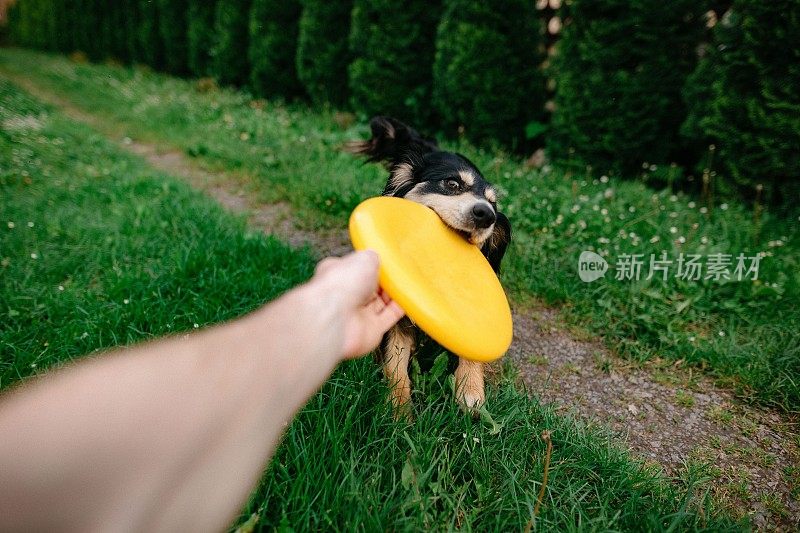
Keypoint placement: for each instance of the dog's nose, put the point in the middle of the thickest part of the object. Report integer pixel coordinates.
(484, 215)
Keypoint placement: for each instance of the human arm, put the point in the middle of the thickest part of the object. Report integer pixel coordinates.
(173, 435)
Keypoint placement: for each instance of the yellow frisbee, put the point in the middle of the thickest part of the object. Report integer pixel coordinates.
(442, 282)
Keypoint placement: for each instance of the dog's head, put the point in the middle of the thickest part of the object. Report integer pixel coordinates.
(446, 182)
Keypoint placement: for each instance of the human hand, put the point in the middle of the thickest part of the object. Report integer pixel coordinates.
(366, 311)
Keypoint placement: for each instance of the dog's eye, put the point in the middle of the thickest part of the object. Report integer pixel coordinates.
(452, 185)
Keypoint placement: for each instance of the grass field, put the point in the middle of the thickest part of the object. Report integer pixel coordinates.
(742, 332)
(99, 250)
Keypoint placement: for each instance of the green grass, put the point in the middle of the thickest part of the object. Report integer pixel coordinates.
(744, 333)
(98, 250)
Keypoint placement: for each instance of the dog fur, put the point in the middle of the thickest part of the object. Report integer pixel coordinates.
(455, 189)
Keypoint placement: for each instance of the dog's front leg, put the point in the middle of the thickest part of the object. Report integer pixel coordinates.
(469, 385)
(396, 348)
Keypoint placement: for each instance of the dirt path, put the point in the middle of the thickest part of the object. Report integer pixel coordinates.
(669, 415)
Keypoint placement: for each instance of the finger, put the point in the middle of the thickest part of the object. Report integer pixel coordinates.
(326, 264)
(389, 316)
(384, 295)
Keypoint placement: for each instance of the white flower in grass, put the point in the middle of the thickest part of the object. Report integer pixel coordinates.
(30, 224)
(61, 288)
(595, 207)
(691, 205)
(196, 325)
(603, 240)
(704, 210)
(34, 255)
(606, 220)
(673, 230)
(703, 240)
(673, 214)
(723, 207)
(11, 225)
(654, 239)
(721, 333)
(603, 179)
(126, 301)
(662, 208)
(632, 209)
(681, 239)
(673, 198)
(575, 208)
(608, 193)
(691, 339)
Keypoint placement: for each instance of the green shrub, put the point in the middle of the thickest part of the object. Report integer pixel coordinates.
(64, 15)
(115, 30)
(13, 23)
(619, 69)
(173, 27)
(392, 45)
(34, 24)
(151, 46)
(230, 64)
(744, 97)
(273, 48)
(486, 77)
(322, 50)
(200, 36)
(131, 21)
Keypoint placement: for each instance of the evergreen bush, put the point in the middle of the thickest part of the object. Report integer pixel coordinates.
(131, 21)
(322, 50)
(273, 48)
(200, 36)
(486, 77)
(744, 97)
(620, 67)
(173, 22)
(231, 29)
(392, 46)
(151, 47)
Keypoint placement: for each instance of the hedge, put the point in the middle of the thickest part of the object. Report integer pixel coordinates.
(619, 69)
(273, 48)
(486, 77)
(173, 25)
(322, 50)
(200, 36)
(392, 44)
(744, 97)
(229, 55)
(151, 47)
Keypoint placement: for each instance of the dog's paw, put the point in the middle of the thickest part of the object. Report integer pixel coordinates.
(470, 401)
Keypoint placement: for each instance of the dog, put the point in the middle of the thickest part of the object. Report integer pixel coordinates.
(455, 189)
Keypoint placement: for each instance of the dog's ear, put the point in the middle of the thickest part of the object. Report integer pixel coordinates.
(495, 246)
(392, 142)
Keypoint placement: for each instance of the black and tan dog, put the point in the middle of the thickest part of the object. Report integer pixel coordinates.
(454, 188)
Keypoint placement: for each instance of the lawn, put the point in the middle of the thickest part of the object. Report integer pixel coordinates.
(744, 333)
(100, 250)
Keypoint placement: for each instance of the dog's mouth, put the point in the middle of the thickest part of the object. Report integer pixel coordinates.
(475, 238)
